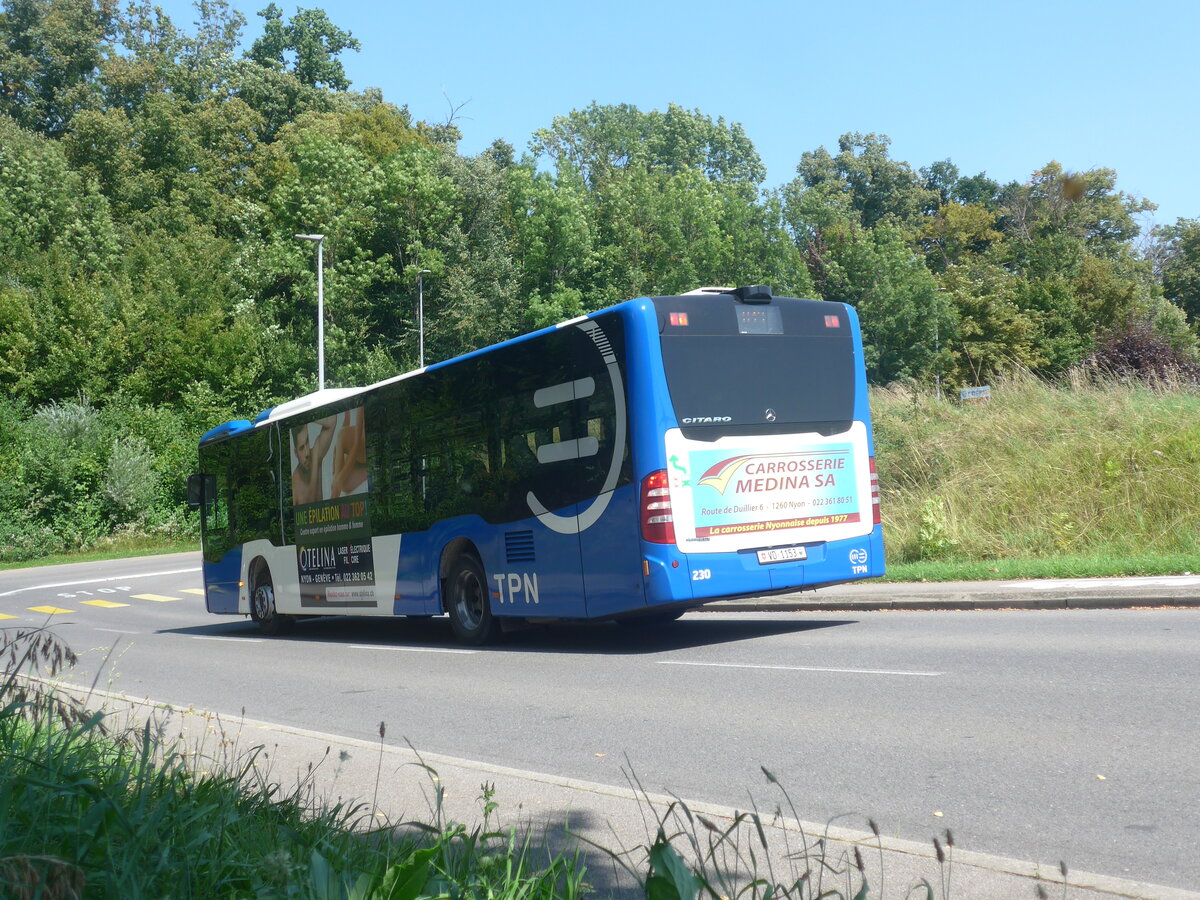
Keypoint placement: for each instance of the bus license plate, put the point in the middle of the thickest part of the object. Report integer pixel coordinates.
(781, 554)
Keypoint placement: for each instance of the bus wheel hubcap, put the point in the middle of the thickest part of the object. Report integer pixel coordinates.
(264, 603)
(470, 600)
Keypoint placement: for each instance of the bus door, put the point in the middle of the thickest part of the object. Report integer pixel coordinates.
(610, 550)
(536, 569)
(609, 528)
(222, 555)
(567, 546)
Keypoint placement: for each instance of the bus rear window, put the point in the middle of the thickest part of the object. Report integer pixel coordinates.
(781, 366)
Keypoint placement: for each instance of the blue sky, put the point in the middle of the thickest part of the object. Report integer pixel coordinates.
(1000, 88)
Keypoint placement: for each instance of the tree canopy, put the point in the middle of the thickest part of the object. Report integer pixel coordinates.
(151, 179)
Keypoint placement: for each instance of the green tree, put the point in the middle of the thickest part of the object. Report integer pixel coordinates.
(993, 334)
(957, 232)
(313, 43)
(906, 322)
(1063, 334)
(47, 206)
(1180, 265)
(863, 177)
(1082, 206)
(600, 139)
(204, 59)
(50, 53)
(553, 237)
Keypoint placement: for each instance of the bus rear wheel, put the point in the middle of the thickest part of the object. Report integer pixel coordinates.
(468, 603)
(262, 608)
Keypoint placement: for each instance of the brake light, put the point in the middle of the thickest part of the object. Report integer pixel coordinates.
(658, 522)
(876, 516)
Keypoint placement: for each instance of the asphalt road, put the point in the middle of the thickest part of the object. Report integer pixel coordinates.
(1034, 734)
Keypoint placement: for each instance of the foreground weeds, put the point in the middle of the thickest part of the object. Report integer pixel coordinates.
(771, 855)
(89, 809)
(86, 811)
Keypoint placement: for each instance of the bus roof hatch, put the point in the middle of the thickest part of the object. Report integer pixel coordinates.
(754, 293)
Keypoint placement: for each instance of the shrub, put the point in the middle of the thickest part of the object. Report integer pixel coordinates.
(1137, 349)
(130, 481)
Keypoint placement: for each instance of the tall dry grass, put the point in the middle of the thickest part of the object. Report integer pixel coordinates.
(1079, 467)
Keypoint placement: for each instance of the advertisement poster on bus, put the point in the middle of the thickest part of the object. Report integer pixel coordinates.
(732, 494)
(330, 498)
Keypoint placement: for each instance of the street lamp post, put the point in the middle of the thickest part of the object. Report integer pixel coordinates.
(421, 316)
(319, 239)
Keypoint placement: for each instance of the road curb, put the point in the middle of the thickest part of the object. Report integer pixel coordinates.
(951, 604)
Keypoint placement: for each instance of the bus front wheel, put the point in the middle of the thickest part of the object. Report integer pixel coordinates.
(468, 603)
(262, 608)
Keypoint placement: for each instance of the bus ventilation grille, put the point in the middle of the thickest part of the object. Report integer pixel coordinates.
(518, 546)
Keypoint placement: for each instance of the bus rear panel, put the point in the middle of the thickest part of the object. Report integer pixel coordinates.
(762, 477)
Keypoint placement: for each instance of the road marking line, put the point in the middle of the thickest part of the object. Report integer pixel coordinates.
(103, 604)
(410, 649)
(6, 616)
(197, 591)
(118, 631)
(240, 640)
(1091, 583)
(50, 610)
(44, 587)
(669, 662)
(157, 598)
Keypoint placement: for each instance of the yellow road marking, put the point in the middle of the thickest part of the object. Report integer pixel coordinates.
(6, 616)
(50, 610)
(103, 604)
(197, 591)
(157, 598)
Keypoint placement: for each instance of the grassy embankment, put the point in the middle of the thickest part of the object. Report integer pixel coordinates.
(1074, 479)
(1044, 480)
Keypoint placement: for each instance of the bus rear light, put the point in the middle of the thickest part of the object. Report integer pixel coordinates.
(876, 516)
(658, 522)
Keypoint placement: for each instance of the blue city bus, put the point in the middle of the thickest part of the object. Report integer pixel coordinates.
(625, 465)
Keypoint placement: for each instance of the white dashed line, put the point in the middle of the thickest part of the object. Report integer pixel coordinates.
(45, 587)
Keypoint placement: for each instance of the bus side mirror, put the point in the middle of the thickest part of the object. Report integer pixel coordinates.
(201, 490)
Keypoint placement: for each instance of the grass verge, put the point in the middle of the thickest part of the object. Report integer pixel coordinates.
(1098, 565)
(113, 548)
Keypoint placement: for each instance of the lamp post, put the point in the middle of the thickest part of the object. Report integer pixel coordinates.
(421, 316)
(319, 239)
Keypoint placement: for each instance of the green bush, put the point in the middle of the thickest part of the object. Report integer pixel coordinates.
(75, 476)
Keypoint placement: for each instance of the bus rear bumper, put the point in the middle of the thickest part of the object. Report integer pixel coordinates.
(673, 576)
